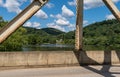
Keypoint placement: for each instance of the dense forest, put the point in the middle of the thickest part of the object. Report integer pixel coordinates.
(105, 33)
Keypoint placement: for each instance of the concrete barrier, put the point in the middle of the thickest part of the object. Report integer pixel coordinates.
(100, 57)
(51, 58)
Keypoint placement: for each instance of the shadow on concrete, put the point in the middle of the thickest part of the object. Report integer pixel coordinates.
(118, 54)
(107, 64)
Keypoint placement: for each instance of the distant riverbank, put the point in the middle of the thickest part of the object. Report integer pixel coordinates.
(48, 47)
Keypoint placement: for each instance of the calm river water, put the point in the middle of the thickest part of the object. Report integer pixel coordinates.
(58, 47)
(48, 47)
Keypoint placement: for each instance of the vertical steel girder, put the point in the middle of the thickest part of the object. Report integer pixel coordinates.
(79, 20)
(79, 25)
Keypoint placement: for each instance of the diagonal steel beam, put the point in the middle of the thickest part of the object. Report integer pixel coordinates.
(113, 8)
(20, 19)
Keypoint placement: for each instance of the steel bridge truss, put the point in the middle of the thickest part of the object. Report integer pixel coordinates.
(28, 12)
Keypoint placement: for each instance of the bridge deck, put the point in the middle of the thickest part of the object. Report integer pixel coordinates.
(91, 71)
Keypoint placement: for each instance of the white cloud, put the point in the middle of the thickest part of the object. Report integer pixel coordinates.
(49, 5)
(53, 25)
(85, 22)
(88, 4)
(58, 16)
(72, 3)
(23, 0)
(109, 17)
(62, 22)
(67, 12)
(71, 27)
(41, 14)
(28, 24)
(1, 2)
(36, 24)
(51, 15)
(12, 6)
(31, 0)
(62, 18)
(32, 24)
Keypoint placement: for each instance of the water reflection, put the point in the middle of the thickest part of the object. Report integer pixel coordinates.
(48, 47)
(64, 47)
(56, 45)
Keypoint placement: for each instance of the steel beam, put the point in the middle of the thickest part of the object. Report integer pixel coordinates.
(79, 24)
(20, 19)
(113, 8)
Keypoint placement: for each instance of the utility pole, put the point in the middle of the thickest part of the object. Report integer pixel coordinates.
(79, 25)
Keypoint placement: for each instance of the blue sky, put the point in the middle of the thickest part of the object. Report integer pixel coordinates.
(59, 14)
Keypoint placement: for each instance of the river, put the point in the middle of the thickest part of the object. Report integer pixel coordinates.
(48, 47)
(59, 47)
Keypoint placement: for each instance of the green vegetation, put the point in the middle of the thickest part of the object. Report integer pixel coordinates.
(105, 34)
(52, 31)
(42, 36)
(14, 42)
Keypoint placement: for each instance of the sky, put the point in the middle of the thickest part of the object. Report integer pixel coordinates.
(59, 14)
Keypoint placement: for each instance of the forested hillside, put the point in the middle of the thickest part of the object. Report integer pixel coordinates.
(105, 33)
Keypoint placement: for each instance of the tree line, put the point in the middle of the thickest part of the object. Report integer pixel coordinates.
(105, 33)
